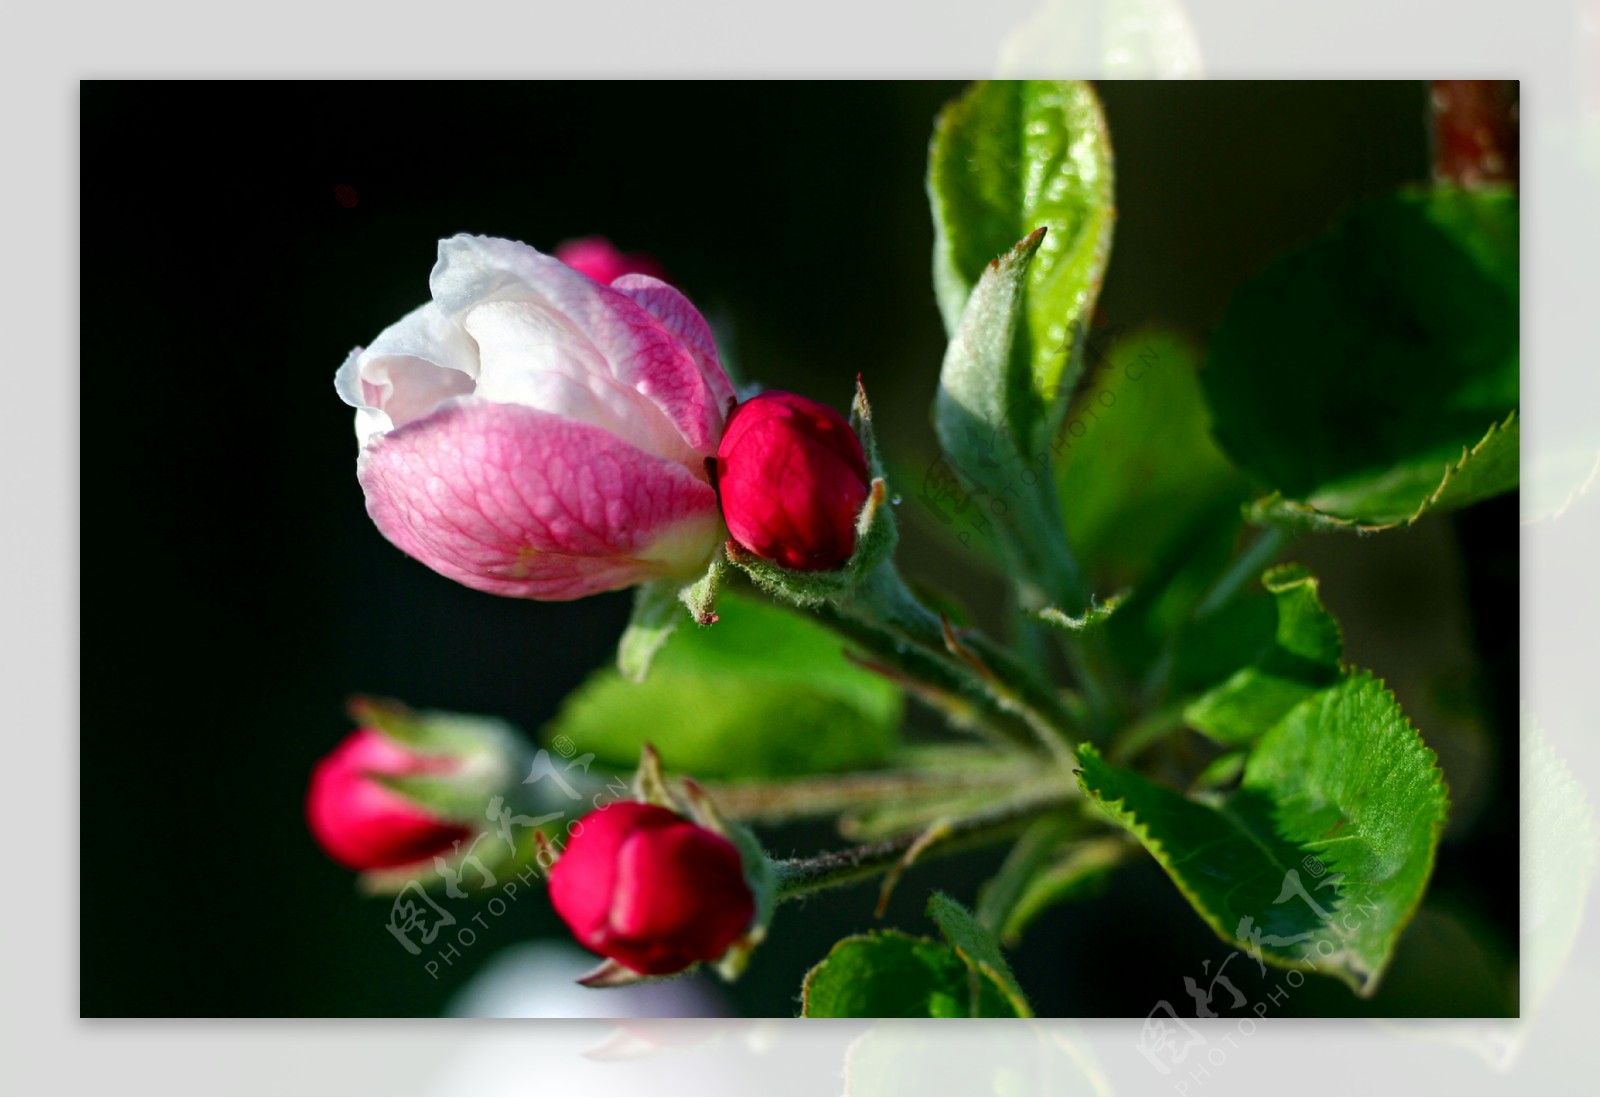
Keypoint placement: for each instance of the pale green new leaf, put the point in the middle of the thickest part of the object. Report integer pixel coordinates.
(1009, 158)
(984, 397)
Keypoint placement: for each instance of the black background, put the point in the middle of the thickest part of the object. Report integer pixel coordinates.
(234, 593)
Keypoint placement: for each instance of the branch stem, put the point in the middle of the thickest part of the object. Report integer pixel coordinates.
(802, 876)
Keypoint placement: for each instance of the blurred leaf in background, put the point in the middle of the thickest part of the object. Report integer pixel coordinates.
(763, 693)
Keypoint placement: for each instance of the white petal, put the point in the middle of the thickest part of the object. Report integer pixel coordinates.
(369, 420)
(614, 364)
(413, 366)
(528, 355)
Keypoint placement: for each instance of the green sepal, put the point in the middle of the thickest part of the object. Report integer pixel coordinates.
(657, 611)
(875, 542)
(485, 754)
(762, 881)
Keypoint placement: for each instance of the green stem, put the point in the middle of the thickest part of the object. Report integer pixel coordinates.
(885, 605)
(802, 876)
(1248, 566)
(776, 802)
(937, 680)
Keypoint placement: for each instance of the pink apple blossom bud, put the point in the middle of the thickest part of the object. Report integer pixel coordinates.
(793, 479)
(645, 887)
(598, 258)
(362, 824)
(531, 432)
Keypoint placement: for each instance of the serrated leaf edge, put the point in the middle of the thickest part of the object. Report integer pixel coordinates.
(1261, 511)
(1364, 988)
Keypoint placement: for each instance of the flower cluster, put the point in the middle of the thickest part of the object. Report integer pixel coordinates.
(551, 427)
(537, 432)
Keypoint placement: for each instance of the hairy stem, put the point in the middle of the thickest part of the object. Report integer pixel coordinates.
(802, 876)
(775, 802)
(982, 669)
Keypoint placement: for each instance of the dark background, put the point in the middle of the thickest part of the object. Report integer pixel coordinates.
(234, 593)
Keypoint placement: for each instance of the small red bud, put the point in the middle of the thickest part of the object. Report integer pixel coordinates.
(644, 886)
(362, 824)
(793, 479)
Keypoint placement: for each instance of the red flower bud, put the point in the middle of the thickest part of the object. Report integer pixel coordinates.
(793, 479)
(362, 824)
(598, 258)
(647, 888)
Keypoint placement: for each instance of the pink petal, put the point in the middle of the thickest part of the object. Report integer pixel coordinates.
(519, 502)
(679, 316)
(637, 348)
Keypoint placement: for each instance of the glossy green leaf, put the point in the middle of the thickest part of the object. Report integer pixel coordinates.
(1135, 460)
(1363, 377)
(1322, 854)
(1009, 158)
(887, 974)
(976, 945)
(762, 693)
(1303, 657)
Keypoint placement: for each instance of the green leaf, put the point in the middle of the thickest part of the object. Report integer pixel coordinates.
(1486, 470)
(1009, 158)
(1136, 463)
(763, 693)
(977, 947)
(1358, 377)
(984, 389)
(981, 412)
(1303, 657)
(887, 974)
(1322, 854)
